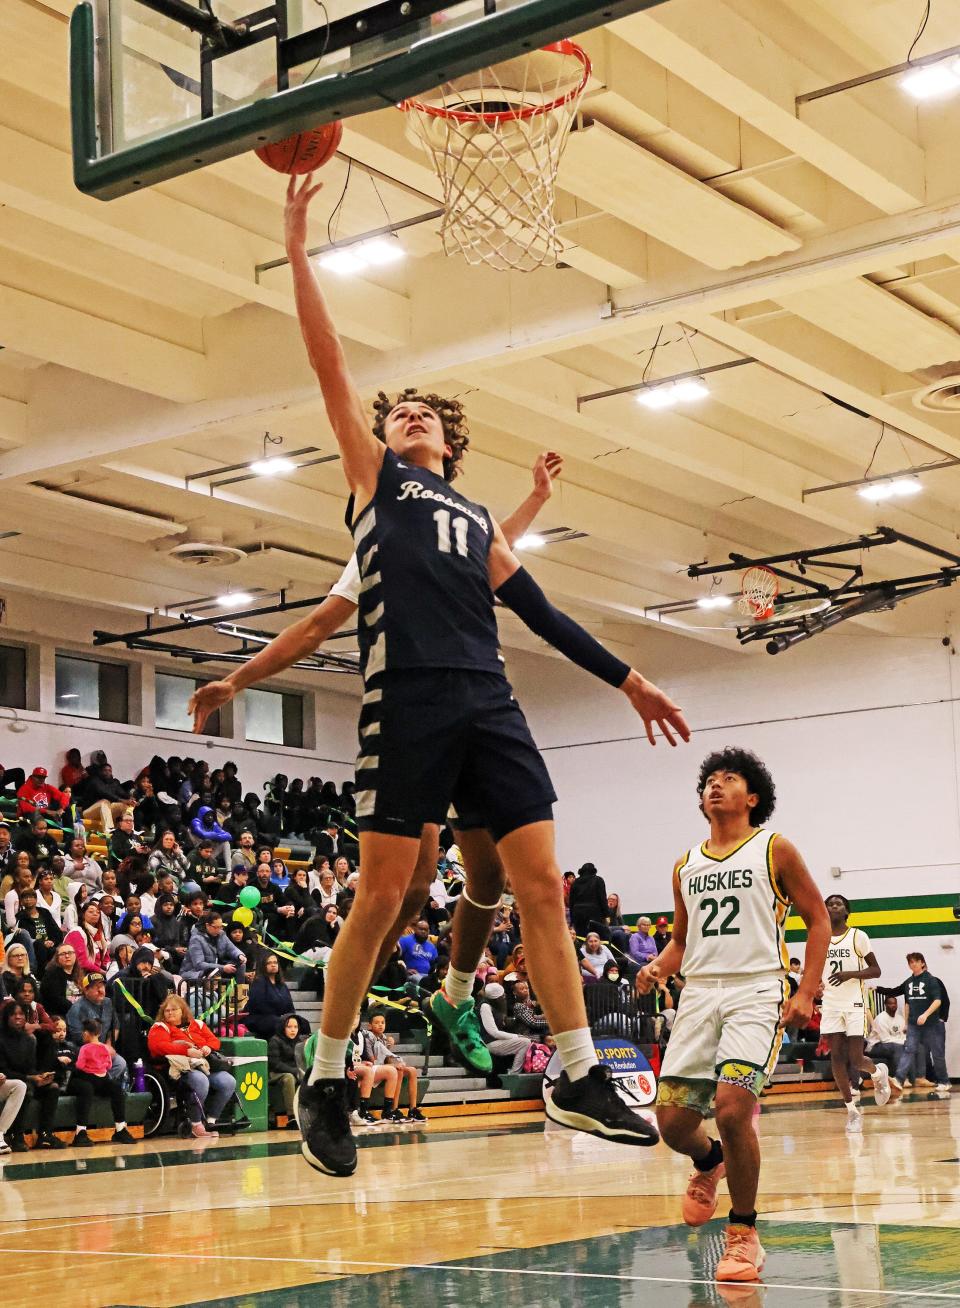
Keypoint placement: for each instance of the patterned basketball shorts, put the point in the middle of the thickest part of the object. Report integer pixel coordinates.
(725, 1030)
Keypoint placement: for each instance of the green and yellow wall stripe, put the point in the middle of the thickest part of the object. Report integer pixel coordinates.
(896, 915)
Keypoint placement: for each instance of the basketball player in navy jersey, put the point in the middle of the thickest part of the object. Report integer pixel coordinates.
(452, 1005)
(438, 721)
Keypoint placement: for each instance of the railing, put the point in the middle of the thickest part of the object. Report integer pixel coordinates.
(215, 1001)
(613, 1010)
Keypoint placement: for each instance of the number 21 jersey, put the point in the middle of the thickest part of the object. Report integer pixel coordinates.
(847, 953)
(425, 597)
(735, 911)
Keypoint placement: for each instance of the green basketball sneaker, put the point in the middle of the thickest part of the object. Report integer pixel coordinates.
(463, 1031)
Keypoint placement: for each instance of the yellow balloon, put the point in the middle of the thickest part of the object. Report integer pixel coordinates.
(243, 915)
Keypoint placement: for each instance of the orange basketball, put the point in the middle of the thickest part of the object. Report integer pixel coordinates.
(304, 151)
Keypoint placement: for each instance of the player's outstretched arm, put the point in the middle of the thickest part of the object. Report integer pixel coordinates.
(362, 453)
(798, 887)
(545, 471)
(293, 644)
(670, 960)
(515, 588)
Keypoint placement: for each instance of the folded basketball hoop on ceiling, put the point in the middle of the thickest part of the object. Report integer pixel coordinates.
(495, 138)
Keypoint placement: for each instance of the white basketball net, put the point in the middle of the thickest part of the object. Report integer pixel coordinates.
(759, 587)
(495, 138)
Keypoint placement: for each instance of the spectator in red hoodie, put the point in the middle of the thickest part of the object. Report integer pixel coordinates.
(37, 798)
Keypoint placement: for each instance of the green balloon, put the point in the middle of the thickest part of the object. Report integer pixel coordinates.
(249, 896)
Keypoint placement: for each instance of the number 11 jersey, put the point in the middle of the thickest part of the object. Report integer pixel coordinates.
(736, 911)
(425, 597)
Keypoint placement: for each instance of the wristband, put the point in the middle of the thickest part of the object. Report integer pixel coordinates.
(523, 596)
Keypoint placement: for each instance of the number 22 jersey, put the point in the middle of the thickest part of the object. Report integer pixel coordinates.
(425, 597)
(736, 911)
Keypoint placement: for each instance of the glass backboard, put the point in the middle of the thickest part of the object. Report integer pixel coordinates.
(162, 87)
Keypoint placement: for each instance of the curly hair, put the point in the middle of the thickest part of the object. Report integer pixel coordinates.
(450, 412)
(755, 774)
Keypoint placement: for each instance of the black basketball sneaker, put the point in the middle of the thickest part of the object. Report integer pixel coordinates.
(323, 1114)
(591, 1104)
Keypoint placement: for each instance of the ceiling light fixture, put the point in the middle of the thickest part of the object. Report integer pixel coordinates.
(375, 253)
(687, 391)
(933, 81)
(234, 598)
(898, 488)
(532, 541)
(714, 602)
(272, 467)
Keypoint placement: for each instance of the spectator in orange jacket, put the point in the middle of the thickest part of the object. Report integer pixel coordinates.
(177, 1031)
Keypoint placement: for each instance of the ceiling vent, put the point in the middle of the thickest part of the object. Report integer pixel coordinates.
(941, 392)
(205, 554)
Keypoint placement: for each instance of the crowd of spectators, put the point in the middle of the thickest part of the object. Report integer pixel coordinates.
(159, 901)
(110, 886)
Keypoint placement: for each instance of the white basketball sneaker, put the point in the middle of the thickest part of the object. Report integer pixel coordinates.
(881, 1085)
(854, 1119)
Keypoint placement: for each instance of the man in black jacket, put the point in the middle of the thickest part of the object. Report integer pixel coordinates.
(124, 842)
(328, 840)
(927, 1008)
(588, 900)
(105, 798)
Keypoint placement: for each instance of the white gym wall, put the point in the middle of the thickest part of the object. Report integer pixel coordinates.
(860, 733)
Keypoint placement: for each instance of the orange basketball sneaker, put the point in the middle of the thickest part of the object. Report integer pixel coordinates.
(743, 1258)
(700, 1199)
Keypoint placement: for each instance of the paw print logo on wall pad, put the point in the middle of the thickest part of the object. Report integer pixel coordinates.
(251, 1087)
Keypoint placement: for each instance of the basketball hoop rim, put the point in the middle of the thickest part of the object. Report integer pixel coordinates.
(523, 114)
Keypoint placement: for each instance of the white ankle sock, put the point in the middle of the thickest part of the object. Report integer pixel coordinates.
(458, 986)
(329, 1060)
(576, 1051)
(119, 1126)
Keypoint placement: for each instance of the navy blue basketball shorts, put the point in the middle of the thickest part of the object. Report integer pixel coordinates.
(433, 738)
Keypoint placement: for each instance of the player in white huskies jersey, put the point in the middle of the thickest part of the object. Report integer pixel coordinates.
(850, 962)
(731, 899)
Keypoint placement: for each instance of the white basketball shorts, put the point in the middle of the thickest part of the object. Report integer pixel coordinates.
(726, 1029)
(850, 1020)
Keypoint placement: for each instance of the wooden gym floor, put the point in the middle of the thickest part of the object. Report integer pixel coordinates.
(487, 1211)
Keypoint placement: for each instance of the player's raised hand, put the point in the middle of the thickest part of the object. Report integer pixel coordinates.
(295, 209)
(647, 978)
(797, 1011)
(656, 709)
(545, 471)
(206, 700)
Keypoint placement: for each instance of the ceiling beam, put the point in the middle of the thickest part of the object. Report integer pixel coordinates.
(741, 65)
(878, 322)
(37, 179)
(645, 191)
(693, 447)
(87, 343)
